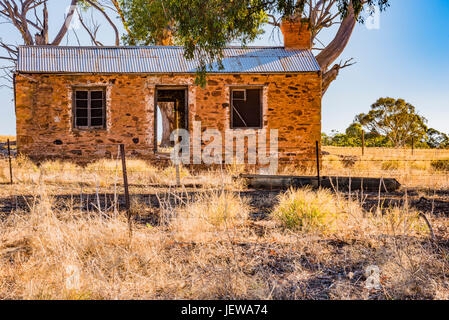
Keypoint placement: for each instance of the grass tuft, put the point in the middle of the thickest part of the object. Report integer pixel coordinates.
(306, 210)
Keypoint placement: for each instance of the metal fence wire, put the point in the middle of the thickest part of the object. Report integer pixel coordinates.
(424, 168)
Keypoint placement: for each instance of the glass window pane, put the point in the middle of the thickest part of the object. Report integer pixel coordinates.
(81, 113)
(96, 113)
(81, 95)
(81, 122)
(96, 95)
(96, 122)
(81, 104)
(96, 103)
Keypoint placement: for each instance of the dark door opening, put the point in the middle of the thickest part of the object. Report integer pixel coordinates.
(171, 114)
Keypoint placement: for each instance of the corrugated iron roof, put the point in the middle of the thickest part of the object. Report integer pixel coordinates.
(159, 59)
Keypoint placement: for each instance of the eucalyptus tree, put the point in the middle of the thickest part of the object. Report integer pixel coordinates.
(395, 119)
(204, 28)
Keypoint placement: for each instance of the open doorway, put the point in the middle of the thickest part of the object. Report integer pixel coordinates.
(171, 114)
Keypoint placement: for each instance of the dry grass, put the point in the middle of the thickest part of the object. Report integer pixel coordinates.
(307, 211)
(419, 169)
(106, 174)
(203, 242)
(5, 138)
(208, 250)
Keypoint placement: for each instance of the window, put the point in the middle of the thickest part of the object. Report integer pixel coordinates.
(89, 108)
(239, 94)
(246, 108)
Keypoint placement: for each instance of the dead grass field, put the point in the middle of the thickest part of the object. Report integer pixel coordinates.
(5, 138)
(424, 168)
(64, 235)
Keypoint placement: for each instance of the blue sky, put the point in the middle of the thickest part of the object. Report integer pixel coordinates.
(407, 57)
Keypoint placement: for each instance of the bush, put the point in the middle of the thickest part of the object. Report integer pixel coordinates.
(420, 165)
(306, 211)
(349, 161)
(391, 165)
(440, 165)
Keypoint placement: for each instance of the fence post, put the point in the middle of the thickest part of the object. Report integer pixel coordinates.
(178, 176)
(318, 164)
(125, 180)
(413, 146)
(363, 142)
(10, 164)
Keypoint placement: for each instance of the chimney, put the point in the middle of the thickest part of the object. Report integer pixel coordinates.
(297, 34)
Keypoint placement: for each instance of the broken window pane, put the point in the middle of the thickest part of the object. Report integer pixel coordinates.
(246, 113)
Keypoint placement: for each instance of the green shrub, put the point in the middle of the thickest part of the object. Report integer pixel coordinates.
(440, 165)
(306, 210)
(391, 165)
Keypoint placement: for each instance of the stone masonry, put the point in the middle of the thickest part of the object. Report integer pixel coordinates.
(291, 104)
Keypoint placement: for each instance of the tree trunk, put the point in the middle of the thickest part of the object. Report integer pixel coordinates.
(65, 27)
(167, 108)
(168, 122)
(335, 48)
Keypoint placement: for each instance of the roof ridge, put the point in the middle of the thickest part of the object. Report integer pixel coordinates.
(142, 47)
(162, 59)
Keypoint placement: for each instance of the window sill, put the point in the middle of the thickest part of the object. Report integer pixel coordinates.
(88, 129)
(247, 128)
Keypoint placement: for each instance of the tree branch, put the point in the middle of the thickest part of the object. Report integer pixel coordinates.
(117, 33)
(338, 44)
(63, 30)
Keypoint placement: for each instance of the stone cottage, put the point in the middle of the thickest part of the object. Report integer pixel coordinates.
(79, 102)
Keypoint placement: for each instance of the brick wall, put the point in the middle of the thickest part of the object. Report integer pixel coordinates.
(297, 34)
(291, 104)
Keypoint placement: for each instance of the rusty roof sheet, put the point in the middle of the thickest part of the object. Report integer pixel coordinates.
(159, 59)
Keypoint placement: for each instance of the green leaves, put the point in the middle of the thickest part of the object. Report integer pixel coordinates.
(343, 6)
(148, 22)
(205, 28)
(395, 119)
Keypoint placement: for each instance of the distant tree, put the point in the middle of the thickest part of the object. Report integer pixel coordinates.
(394, 119)
(436, 139)
(325, 139)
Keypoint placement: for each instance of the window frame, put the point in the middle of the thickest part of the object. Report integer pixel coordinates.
(238, 90)
(231, 106)
(89, 108)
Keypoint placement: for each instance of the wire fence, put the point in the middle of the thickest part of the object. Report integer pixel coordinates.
(425, 168)
(106, 186)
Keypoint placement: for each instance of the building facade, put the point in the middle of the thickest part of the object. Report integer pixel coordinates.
(80, 102)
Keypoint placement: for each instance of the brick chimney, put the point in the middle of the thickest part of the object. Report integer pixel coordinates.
(297, 34)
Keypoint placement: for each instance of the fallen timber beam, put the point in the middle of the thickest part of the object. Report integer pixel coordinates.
(336, 183)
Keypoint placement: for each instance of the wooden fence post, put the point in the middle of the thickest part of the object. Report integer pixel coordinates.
(178, 176)
(10, 163)
(125, 181)
(318, 164)
(363, 142)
